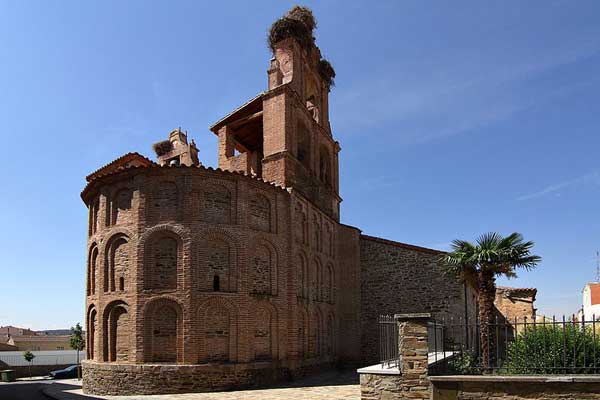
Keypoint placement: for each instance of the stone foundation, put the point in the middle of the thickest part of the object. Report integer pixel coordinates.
(541, 387)
(137, 379)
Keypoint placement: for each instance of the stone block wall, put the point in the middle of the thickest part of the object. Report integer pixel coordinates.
(539, 387)
(400, 278)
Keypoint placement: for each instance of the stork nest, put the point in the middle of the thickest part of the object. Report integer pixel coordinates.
(327, 72)
(162, 147)
(298, 23)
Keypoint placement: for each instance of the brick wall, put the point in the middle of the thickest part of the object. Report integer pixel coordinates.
(199, 266)
(400, 278)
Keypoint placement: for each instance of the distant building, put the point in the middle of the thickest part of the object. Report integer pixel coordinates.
(516, 302)
(591, 301)
(14, 330)
(13, 338)
(37, 343)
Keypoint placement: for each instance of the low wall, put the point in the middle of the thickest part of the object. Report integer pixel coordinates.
(540, 387)
(135, 379)
(36, 370)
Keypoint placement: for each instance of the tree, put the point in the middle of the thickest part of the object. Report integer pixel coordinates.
(492, 255)
(29, 356)
(77, 341)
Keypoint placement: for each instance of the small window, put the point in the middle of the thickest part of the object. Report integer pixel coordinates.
(216, 283)
(121, 283)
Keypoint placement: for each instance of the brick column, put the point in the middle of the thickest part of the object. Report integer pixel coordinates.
(412, 350)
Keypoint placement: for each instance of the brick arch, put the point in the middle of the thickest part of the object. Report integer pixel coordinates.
(216, 259)
(121, 205)
(265, 338)
(302, 275)
(117, 262)
(325, 165)
(163, 330)
(216, 203)
(260, 211)
(92, 268)
(91, 331)
(164, 200)
(329, 330)
(263, 267)
(303, 332)
(116, 328)
(316, 273)
(329, 283)
(316, 332)
(163, 248)
(216, 329)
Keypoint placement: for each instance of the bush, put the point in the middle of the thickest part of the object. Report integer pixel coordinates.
(162, 147)
(537, 350)
(466, 363)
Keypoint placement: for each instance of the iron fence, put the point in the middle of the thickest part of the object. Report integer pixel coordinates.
(519, 346)
(388, 342)
(515, 347)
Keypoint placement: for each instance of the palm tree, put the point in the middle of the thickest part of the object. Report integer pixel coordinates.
(491, 256)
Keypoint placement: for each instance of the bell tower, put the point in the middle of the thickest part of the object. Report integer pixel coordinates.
(283, 135)
(299, 148)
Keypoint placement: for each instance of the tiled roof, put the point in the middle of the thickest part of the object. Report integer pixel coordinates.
(221, 122)
(100, 174)
(112, 166)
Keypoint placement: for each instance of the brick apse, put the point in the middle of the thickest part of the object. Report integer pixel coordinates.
(202, 279)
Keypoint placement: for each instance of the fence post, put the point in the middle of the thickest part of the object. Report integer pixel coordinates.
(412, 353)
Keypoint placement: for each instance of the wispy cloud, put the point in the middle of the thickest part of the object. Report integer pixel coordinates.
(592, 178)
(466, 94)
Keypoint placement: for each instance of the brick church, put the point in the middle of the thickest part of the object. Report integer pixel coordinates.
(202, 279)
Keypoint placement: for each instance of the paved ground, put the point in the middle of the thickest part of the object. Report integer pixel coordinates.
(328, 386)
(26, 390)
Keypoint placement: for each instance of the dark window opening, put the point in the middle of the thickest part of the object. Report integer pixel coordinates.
(216, 283)
(121, 283)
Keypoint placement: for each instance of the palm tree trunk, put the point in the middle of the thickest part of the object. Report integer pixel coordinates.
(486, 283)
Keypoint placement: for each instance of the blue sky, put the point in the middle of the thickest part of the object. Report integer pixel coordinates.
(455, 118)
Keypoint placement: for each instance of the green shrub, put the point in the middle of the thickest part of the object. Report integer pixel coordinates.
(466, 363)
(545, 349)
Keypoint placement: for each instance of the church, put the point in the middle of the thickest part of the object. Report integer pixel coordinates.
(207, 279)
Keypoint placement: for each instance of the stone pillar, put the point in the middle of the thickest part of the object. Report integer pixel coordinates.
(410, 380)
(412, 351)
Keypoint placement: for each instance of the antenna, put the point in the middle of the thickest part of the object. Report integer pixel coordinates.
(597, 266)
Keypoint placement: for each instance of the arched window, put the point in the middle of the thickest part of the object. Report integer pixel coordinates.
(303, 146)
(303, 334)
(316, 279)
(117, 344)
(92, 262)
(162, 260)
(329, 283)
(330, 336)
(93, 220)
(165, 201)
(117, 263)
(262, 265)
(163, 338)
(91, 334)
(218, 262)
(324, 166)
(216, 205)
(263, 334)
(302, 276)
(121, 206)
(217, 334)
(260, 213)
